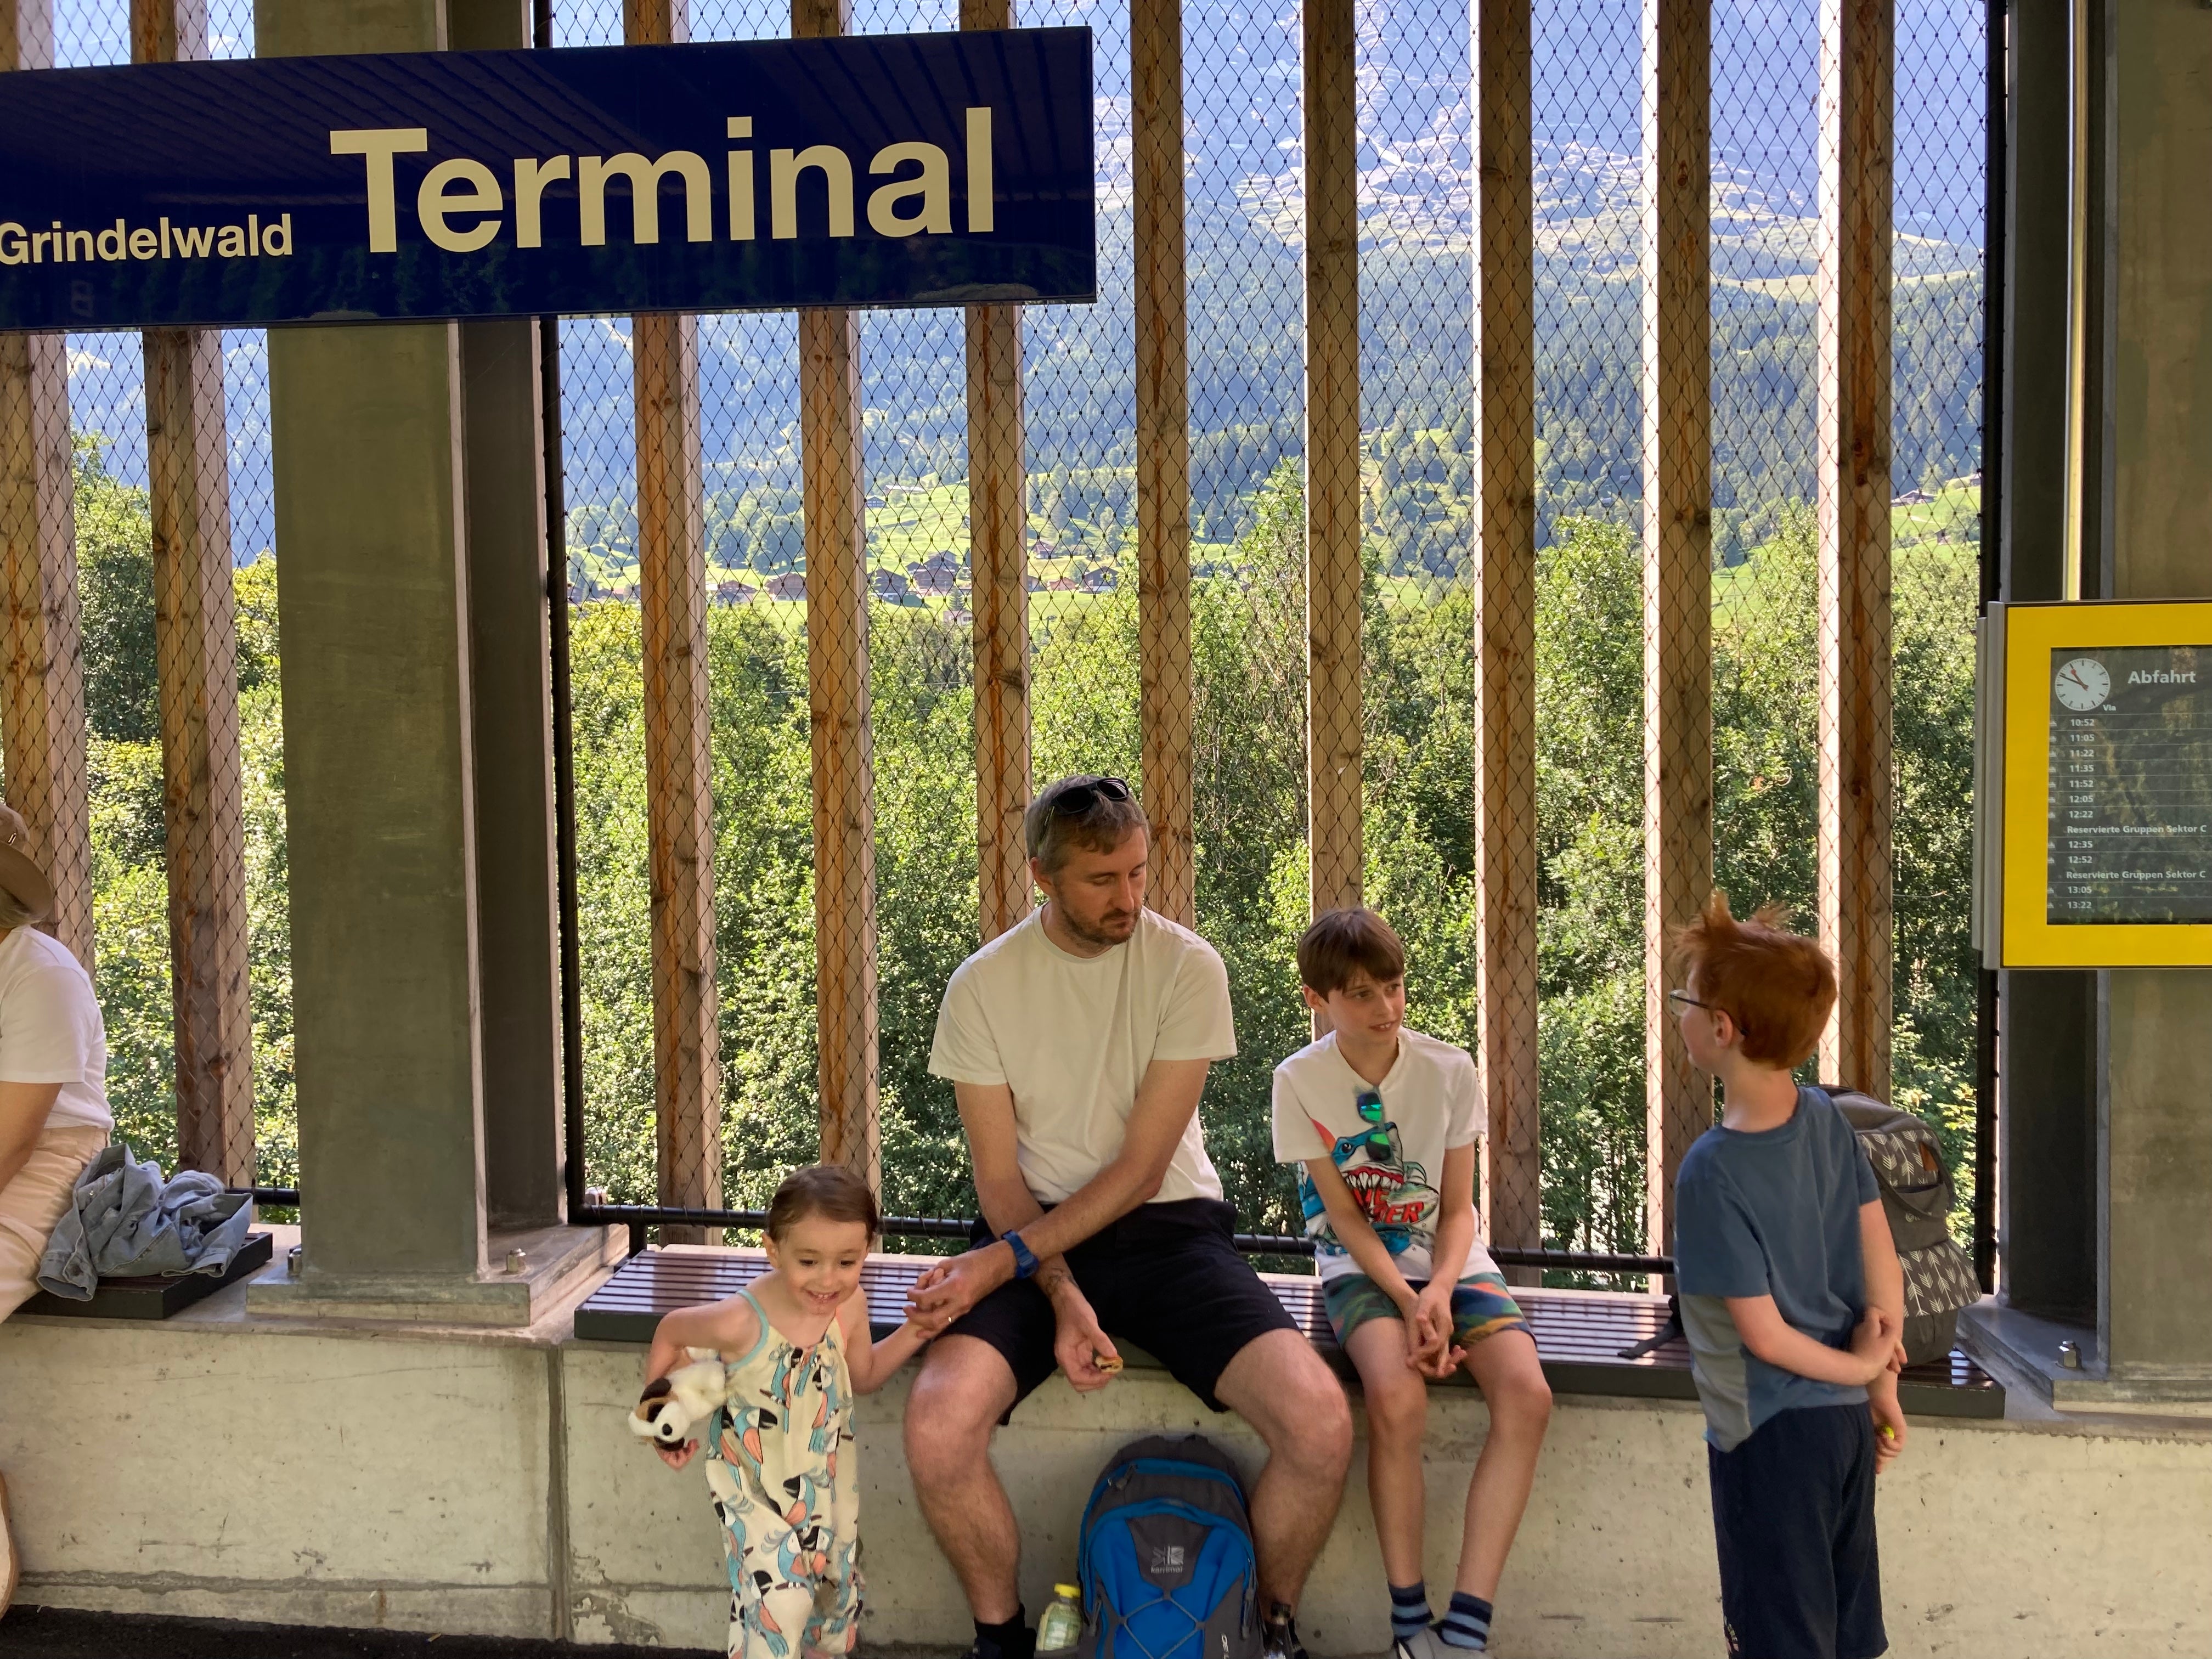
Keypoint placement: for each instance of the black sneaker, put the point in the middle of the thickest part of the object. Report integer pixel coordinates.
(987, 1649)
(1278, 1637)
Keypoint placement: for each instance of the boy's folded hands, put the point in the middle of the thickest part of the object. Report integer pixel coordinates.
(1428, 1347)
(1875, 1343)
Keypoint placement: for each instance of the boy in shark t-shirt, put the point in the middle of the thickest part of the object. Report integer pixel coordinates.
(1382, 1123)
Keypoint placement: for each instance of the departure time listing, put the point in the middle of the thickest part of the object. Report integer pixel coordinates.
(2132, 784)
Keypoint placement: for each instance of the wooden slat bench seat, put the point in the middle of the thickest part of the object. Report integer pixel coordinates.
(1579, 1334)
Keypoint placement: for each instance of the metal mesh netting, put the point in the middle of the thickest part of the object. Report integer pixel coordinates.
(891, 660)
(793, 644)
(1937, 334)
(168, 506)
(1579, 820)
(1591, 121)
(643, 680)
(1769, 438)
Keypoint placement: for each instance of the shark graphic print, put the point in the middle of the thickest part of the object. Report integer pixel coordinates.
(1388, 1142)
(1393, 1192)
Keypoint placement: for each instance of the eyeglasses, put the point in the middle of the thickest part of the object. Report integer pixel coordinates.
(1078, 799)
(1370, 1109)
(1686, 999)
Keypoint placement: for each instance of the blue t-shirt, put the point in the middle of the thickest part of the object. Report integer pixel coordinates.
(1774, 1213)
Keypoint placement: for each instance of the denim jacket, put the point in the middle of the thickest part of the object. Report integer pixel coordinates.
(125, 1220)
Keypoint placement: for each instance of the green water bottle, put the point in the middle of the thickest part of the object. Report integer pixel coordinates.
(1062, 1627)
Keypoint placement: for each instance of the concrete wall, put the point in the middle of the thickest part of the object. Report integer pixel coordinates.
(342, 1478)
(482, 1482)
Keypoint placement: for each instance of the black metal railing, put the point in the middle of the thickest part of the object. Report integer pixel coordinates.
(641, 1218)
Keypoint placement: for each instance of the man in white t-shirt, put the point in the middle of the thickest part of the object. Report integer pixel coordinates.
(1078, 1044)
(54, 1089)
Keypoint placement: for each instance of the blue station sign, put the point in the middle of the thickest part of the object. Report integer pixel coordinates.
(875, 170)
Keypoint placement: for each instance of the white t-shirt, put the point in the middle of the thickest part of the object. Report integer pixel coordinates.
(1393, 1159)
(50, 1029)
(1072, 1036)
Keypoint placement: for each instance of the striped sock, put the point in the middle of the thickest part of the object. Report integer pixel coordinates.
(1409, 1610)
(1467, 1624)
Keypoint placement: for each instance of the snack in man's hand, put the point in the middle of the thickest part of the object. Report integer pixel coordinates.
(1109, 1363)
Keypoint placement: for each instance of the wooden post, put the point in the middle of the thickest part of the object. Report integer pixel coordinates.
(1678, 678)
(837, 696)
(1163, 669)
(1856, 43)
(1332, 157)
(196, 651)
(998, 561)
(42, 735)
(1505, 618)
(679, 766)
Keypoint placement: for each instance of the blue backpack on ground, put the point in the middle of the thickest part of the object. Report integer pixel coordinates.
(1165, 1555)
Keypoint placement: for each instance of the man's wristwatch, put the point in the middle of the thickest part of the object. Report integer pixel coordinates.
(1026, 1261)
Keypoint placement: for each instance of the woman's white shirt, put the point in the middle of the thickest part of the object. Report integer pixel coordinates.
(51, 1030)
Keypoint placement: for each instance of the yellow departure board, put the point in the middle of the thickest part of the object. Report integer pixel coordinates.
(2105, 715)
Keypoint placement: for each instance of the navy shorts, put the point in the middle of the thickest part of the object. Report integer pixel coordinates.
(1793, 1514)
(1166, 1277)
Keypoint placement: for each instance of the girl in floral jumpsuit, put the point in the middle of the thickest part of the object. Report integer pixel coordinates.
(780, 1456)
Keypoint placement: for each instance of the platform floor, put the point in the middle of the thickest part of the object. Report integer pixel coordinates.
(64, 1633)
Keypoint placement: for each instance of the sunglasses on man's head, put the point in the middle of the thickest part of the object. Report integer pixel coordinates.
(1075, 800)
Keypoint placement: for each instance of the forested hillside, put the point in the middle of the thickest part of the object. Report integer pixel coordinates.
(1248, 666)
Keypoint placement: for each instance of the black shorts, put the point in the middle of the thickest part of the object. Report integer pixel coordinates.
(1166, 1277)
(1793, 1513)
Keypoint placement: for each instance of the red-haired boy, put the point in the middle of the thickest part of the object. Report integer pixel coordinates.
(1791, 1297)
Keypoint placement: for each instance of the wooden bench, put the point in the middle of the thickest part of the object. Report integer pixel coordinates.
(1579, 1334)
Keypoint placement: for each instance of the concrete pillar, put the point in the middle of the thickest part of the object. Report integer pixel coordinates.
(2046, 1021)
(372, 446)
(371, 603)
(2156, 1027)
(510, 679)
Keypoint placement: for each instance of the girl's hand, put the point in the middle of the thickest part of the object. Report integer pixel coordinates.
(676, 1456)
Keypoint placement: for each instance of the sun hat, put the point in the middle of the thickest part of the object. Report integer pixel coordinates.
(25, 882)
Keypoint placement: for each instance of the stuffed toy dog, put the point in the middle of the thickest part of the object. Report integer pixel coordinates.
(672, 1406)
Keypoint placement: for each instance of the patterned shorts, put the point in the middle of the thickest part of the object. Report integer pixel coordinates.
(1480, 1306)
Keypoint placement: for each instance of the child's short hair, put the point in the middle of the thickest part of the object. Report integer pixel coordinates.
(1777, 985)
(1342, 942)
(828, 1190)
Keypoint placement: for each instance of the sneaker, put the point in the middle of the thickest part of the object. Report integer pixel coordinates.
(983, 1650)
(1428, 1644)
(1278, 1637)
(11, 1568)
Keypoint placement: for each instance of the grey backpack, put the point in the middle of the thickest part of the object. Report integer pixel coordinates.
(1918, 1197)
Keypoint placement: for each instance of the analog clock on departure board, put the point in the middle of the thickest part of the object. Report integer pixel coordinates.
(2083, 684)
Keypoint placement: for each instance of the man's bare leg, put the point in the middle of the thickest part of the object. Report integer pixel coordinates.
(1282, 1387)
(964, 1388)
